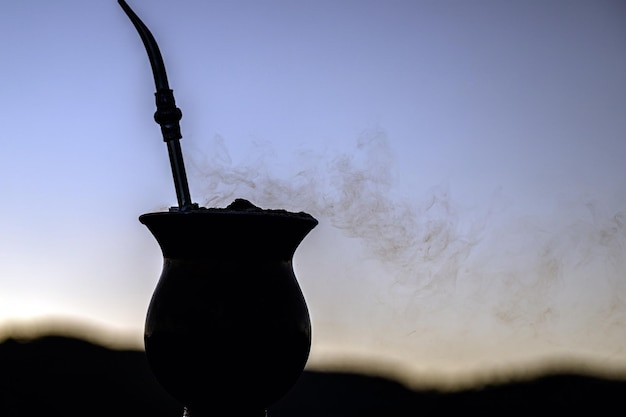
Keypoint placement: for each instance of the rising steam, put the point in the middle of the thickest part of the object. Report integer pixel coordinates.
(411, 275)
(352, 193)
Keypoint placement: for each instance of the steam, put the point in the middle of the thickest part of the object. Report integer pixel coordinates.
(413, 275)
(353, 193)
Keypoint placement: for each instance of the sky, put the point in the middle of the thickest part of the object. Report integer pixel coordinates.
(464, 159)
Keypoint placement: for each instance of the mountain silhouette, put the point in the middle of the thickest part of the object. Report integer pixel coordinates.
(61, 376)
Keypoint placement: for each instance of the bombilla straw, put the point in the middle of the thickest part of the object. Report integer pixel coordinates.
(167, 114)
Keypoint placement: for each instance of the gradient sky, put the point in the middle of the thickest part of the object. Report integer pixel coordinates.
(465, 159)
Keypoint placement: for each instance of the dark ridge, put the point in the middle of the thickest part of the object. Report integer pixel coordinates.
(63, 376)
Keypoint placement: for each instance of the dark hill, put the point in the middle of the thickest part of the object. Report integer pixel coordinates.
(58, 376)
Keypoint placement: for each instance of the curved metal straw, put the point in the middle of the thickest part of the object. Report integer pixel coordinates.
(167, 114)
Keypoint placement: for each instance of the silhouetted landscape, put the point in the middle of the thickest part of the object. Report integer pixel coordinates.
(65, 376)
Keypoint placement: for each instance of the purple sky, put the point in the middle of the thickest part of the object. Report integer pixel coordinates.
(465, 161)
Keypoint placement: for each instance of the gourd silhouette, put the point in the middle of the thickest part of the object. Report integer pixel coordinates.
(228, 330)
